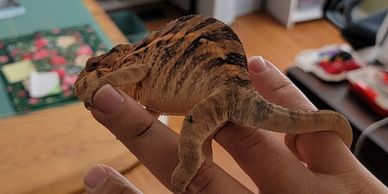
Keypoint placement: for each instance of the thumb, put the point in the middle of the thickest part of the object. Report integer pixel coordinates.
(103, 179)
(273, 85)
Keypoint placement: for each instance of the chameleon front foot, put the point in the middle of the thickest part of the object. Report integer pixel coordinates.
(92, 90)
(184, 173)
(88, 101)
(88, 105)
(180, 180)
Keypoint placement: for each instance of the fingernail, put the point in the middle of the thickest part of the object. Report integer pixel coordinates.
(108, 100)
(257, 65)
(96, 177)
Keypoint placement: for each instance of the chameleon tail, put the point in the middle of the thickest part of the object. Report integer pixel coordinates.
(252, 110)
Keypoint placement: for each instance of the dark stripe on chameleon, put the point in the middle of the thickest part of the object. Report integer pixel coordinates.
(229, 34)
(197, 60)
(166, 54)
(201, 25)
(167, 41)
(169, 51)
(236, 59)
(216, 62)
(215, 36)
(177, 25)
(236, 80)
(159, 43)
(232, 58)
(182, 60)
(201, 58)
(143, 43)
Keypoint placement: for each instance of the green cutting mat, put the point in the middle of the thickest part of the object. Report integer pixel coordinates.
(44, 15)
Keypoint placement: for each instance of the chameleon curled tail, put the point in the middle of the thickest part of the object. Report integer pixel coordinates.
(246, 108)
(283, 120)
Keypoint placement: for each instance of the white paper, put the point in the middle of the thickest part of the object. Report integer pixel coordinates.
(43, 84)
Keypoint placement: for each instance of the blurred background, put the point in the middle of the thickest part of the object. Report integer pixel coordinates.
(335, 51)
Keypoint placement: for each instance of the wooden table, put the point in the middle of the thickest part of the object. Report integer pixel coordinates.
(49, 151)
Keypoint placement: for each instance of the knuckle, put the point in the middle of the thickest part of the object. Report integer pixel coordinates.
(133, 122)
(284, 85)
(145, 130)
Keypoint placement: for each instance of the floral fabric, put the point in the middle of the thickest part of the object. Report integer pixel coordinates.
(63, 51)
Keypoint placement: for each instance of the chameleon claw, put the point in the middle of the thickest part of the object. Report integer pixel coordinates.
(88, 105)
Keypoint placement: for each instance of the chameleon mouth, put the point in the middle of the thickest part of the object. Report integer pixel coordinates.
(82, 84)
(79, 88)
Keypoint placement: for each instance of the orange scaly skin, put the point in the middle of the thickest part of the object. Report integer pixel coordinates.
(196, 66)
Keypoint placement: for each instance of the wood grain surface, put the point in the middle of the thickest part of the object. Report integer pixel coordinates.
(49, 151)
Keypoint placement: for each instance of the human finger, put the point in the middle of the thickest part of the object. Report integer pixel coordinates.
(257, 152)
(274, 86)
(277, 88)
(316, 149)
(103, 179)
(153, 143)
(271, 166)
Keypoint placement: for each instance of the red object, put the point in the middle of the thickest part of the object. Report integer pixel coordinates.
(58, 60)
(22, 93)
(385, 78)
(3, 59)
(338, 66)
(85, 50)
(27, 56)
(369, 96)
(40, 54)
(40, 42)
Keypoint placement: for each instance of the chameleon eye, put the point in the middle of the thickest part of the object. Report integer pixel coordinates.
(92, 64)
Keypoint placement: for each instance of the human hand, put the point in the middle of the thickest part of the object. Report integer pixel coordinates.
(330, 166)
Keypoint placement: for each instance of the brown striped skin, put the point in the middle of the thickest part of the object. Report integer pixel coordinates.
(196, 66)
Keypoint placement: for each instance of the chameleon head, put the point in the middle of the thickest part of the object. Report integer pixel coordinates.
(97, 67)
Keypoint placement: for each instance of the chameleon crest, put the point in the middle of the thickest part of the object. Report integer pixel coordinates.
(196, 66)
